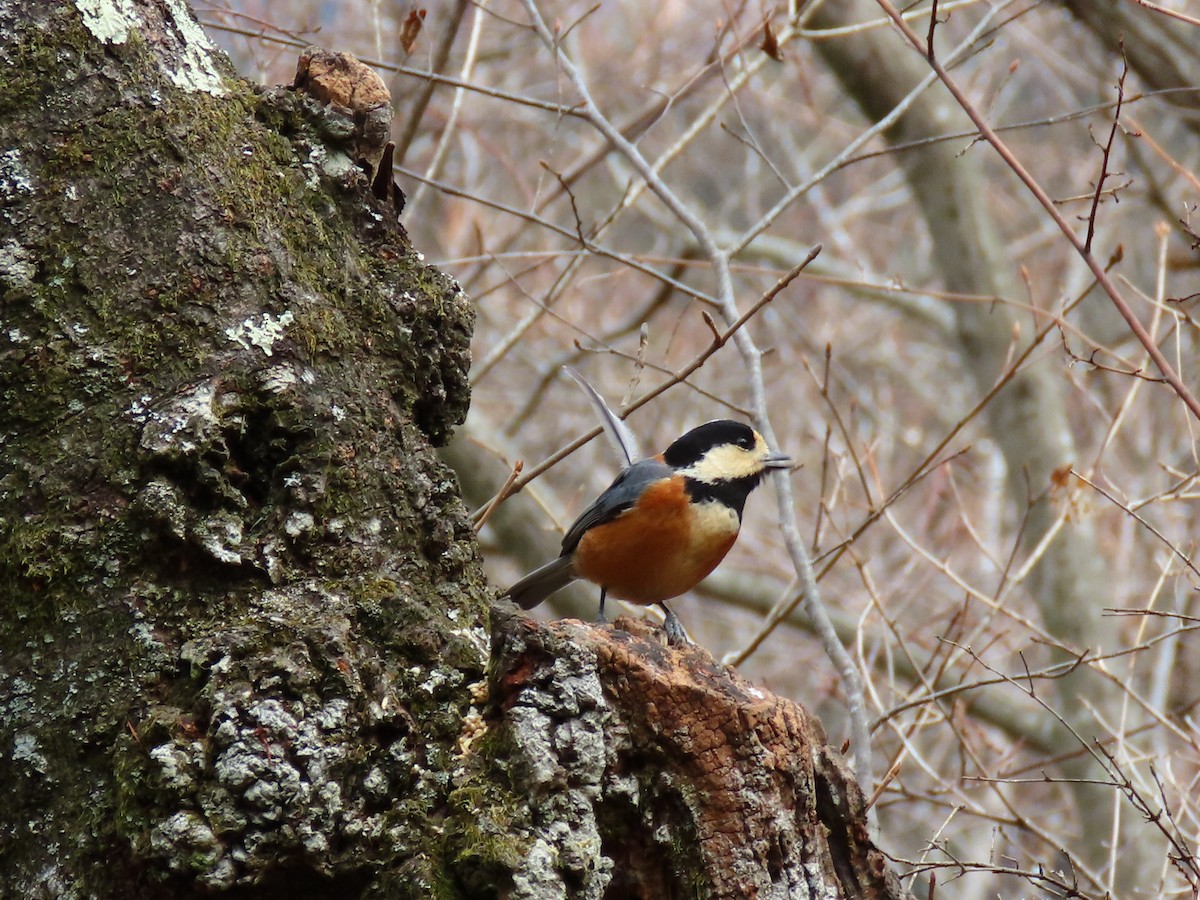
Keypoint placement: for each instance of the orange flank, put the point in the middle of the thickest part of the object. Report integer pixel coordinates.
(661, 548)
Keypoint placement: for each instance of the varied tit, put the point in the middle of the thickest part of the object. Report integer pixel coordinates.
(664, 524)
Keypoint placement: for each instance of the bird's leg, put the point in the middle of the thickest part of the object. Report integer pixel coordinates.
(600, 620)
(676, 636)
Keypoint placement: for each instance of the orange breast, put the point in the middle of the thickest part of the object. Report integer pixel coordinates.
(660, 548)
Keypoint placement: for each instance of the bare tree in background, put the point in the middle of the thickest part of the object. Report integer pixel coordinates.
(999, 486)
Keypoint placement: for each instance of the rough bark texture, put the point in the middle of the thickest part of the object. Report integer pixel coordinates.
(655, 772)
(241, 600)
(243, 641)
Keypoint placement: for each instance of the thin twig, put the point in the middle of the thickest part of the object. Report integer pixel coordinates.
(1106, 152)
(505, 490)
(1182, 17)
(682, 375)
(1154, 531)
(1107, 284)
(424, 93)
(450, 129)
(933, 22)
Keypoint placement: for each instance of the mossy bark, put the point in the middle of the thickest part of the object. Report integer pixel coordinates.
(242, 604)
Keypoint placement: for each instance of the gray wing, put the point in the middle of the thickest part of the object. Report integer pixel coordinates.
(620, 496)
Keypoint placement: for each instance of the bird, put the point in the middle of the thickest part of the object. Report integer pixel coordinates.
(666, 521)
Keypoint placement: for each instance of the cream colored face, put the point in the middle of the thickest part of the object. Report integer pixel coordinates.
(729, 462)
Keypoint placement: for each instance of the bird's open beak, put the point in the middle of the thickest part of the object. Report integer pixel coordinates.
(778, 461)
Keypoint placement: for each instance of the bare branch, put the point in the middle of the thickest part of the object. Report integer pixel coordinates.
(1047, 204)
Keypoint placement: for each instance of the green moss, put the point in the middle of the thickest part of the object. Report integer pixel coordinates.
(322, 329)
(374, 590)
(123, 171)
(35, 553)
(158, 219)
(36, 57)
(486, 834)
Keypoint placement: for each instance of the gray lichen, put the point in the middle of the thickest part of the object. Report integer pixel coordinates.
(242, 599)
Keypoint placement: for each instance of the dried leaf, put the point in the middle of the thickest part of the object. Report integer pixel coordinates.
(770, 45)
(411, 29)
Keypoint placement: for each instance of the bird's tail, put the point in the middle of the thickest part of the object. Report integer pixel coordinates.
(541, 583)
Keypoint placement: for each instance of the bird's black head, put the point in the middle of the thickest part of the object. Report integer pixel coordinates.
(693, 446)
(723, 451)
(723, 460)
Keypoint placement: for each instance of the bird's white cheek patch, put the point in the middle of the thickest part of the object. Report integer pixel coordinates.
(726, 462)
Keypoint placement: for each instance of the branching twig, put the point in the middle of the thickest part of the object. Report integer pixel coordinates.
(1107, 284)
(851, 149)
(1106, 151)
(1183, 856)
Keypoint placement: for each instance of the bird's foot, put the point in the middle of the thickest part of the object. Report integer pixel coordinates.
(676, 636)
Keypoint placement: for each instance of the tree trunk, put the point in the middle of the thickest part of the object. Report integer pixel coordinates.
(245, 630)
(654, 772)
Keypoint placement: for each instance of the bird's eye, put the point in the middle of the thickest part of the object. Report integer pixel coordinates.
(746, 442)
